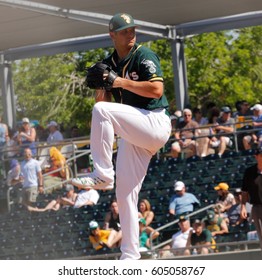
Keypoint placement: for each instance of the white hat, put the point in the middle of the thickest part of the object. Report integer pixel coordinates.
(93, 225)
(179, 185)
(25, 120)
(52, 123)
(256, 107)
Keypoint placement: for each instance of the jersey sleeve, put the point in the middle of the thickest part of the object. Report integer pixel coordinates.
(149, 65)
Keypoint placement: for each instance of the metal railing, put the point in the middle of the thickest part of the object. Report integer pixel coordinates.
(70, 164)
(71, 174)
(173, 223)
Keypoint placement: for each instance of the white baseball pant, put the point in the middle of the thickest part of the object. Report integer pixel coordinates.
(142, 134)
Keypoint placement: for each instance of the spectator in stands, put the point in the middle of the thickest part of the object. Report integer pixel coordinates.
(256, 136)
(215, 224)
(76, 200)
(54, 180)
(233, 213)
(41, 133)
(225, 199)
(15, 180)
(56, 204)
(3, 135)
(238, 109)
(101, 238)
(14, 177)
(201, 142)
(112, 222)
(144, 235)
(54, 134)
(32, 178)
(223, 131)
(242, 109)
(213, 116)
(12, 147)
(74, 132)
(199, 236)
(182, 202)
(176, 118)
(252, 192)
(198, 117)
(26, 136)
(184, 135)
(207, 108)
(179, 239)
(246, 110)
(145, 211)
(86, 198)
(112, 218)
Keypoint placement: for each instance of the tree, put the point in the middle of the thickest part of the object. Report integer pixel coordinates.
(246, 64)
(208, 59)
(40, 85)
(52, 88)
(225, 67)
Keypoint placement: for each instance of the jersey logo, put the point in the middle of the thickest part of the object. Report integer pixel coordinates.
(126, 18)
(150, 65)
(132, 76)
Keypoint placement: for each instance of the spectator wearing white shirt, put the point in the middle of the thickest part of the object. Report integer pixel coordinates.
(86, 197)
(76, 200)
(179, 239)
(54, 134)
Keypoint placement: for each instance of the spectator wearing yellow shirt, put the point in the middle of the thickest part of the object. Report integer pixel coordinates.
(100, 238)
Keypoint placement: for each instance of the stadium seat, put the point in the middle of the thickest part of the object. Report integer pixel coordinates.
(194, 158)
(231, 154)
(211, 157)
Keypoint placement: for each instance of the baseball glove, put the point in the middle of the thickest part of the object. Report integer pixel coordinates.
(100, 76)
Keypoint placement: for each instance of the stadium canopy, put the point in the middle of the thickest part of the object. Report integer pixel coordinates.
(47, 27)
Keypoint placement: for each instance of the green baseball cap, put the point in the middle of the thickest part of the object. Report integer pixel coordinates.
(121, 21)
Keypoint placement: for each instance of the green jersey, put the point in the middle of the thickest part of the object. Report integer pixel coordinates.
(141, 64)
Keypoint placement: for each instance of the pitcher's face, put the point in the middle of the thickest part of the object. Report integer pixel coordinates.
(124, 39)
